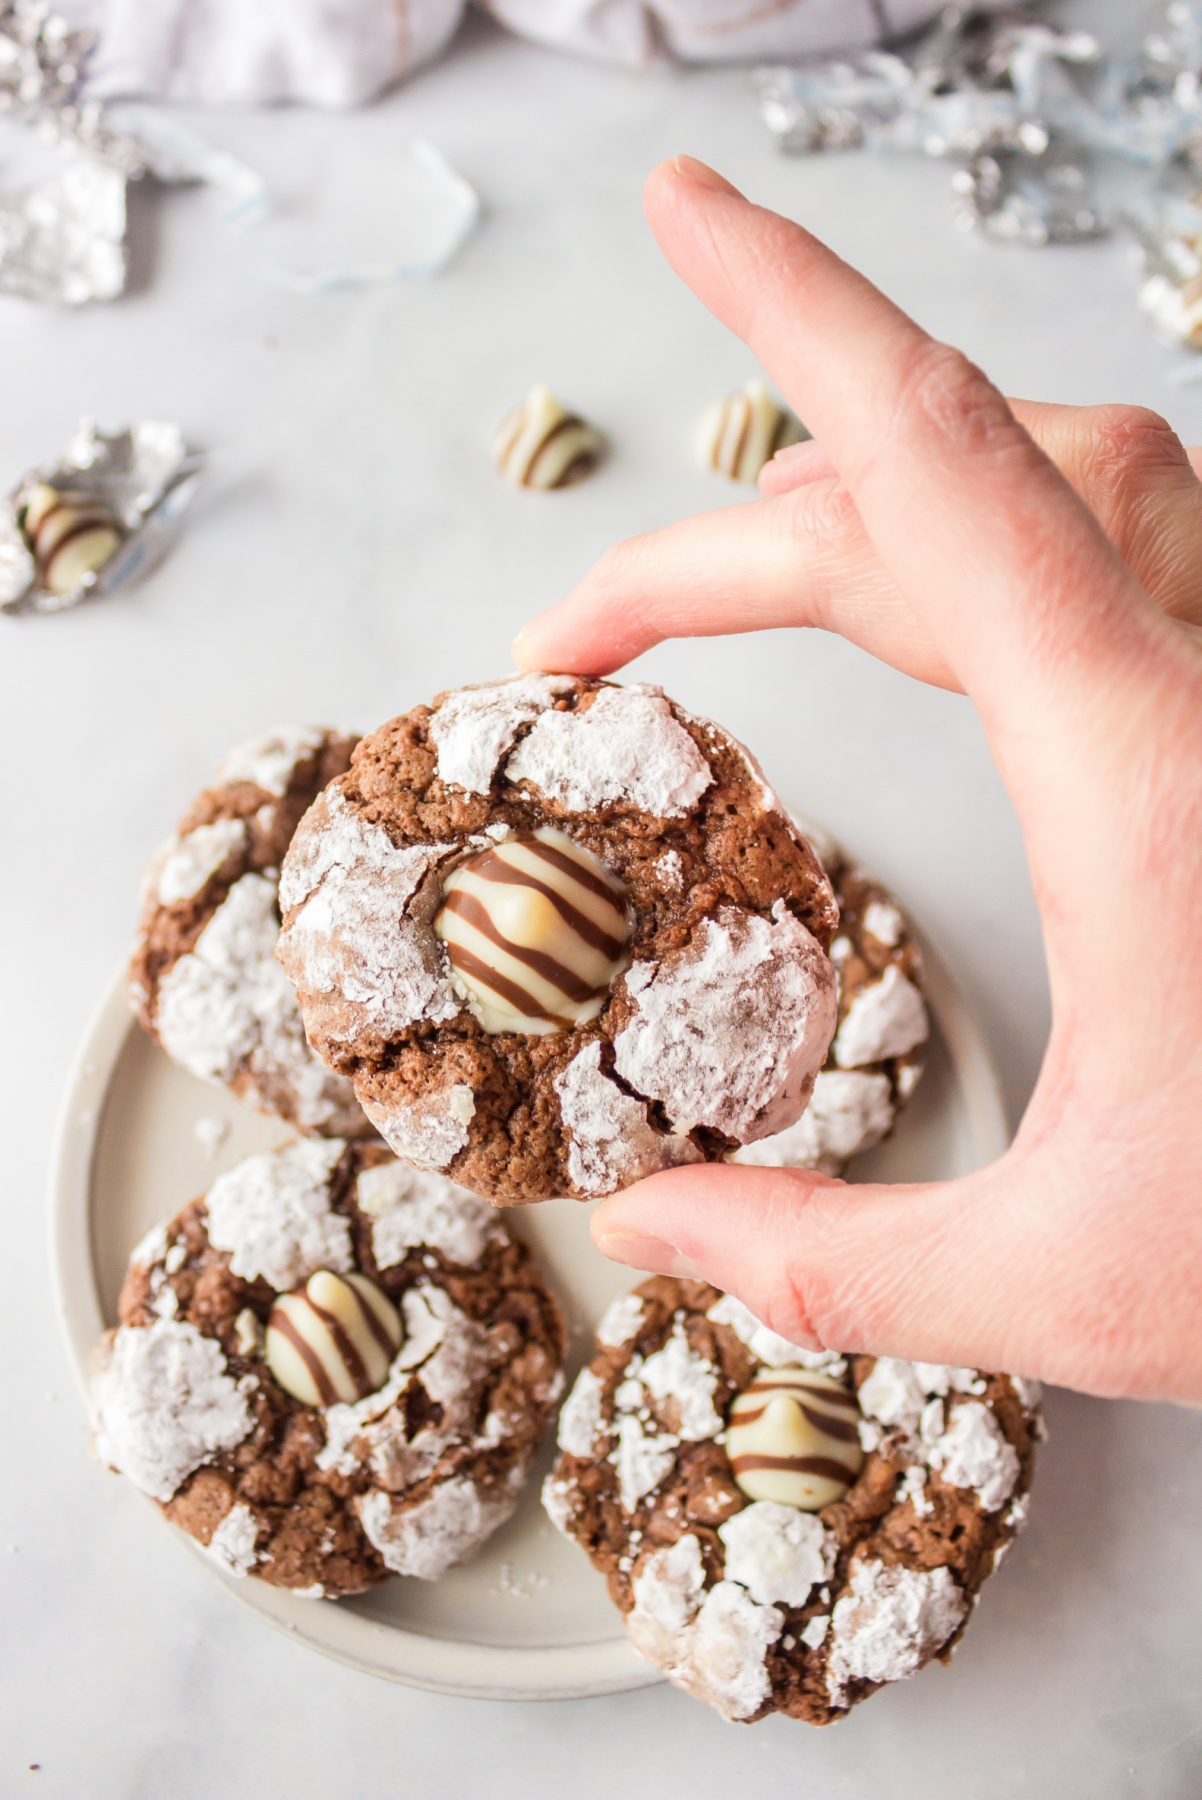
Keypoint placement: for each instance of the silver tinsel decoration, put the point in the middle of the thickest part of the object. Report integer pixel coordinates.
(1041, 124)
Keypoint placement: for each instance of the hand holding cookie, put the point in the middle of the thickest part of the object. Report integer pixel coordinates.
(931, 528)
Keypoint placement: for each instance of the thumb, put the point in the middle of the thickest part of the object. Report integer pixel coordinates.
(937, 1272)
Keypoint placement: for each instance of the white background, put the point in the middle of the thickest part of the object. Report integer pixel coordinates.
(354, 554)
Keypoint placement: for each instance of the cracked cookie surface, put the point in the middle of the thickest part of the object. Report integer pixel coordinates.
(332, 1499)
(757, 1607)
(709, 1038)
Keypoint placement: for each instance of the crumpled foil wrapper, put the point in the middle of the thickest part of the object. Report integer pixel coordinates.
(62, 239)
(144, 475)
(43, 67)
(1039, 120)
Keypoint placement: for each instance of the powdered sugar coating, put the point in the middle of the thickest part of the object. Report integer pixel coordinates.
(896, 1392)
(269, 761)
(185, 863)
(886, 1019)
(232, 1545)
(891, 1622)
(849, 1111)
(163, 1403)
(768, 1346)
(620, 1321)
(474, 727)
(409, 1207)
(720, 1654)
(359, 912)
(731, 1031)
(273, 1214)
(678, 1374)
(972, 1453)
(227, 1006)
(611, 1142)
(777, 1553)
(428, 1131)
(558, 1501)
(626, 749)
(642, 1459)
(580, 1417)
(431, 1537)
(884, 922)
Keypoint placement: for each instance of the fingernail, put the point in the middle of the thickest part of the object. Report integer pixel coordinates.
(650, 1253)
(702, 173)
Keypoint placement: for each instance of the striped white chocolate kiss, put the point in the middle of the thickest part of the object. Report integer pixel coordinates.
(333, 1339)
(745, 431)
(71, 536)
(536, 929)
(542, 445)
(792, 1436)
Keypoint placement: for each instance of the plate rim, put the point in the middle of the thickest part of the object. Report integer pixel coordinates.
(438, 1665)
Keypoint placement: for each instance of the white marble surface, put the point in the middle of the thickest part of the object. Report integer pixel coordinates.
(356, 554)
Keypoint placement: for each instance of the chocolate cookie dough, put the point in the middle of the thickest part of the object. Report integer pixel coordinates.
(784, 1531)
(561, 934)
(876, 1057)
(203, 978)
(329, 1369)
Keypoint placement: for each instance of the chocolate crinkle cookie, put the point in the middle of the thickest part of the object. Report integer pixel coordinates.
(876, 1057)
(561, 934)
(203, 979)
(784, 1530)
(329, 1369)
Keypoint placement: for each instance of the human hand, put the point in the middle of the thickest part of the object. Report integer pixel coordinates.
(931, 528)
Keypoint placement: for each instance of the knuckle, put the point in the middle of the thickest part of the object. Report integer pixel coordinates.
(945, 391)
(1122, 442)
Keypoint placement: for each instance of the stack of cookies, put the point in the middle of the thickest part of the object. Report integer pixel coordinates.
(537, 941)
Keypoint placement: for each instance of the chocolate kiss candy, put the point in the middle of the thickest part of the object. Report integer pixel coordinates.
(536, 929)
(70, 535)
(745, 431)
(332, 1339)
(791, 1436)
(542, 445)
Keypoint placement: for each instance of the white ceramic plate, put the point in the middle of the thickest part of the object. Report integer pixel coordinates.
(529, 1618)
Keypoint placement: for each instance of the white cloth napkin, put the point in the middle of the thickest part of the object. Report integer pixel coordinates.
(342, 52)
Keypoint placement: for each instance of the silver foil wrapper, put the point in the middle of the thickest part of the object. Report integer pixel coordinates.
(1042, 124)
(62, 239)
(141, 478)
(43, 69)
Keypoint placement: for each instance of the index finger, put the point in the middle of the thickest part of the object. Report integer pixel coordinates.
(997, 556)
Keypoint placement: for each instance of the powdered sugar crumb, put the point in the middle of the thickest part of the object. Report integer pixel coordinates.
(890, 1623)
(429, 1130)
(273, 1214)
(429, 1538)
(409, 1207)
(777, 1553)
(886, 1019)
(730, 1031)
(232, 1545)
(626, 749)
(164, 1402)
(848, 1112)
(475, 726)
(362, 928)
(620, 1321)
(972, 1453)
(677, 1374)
(269, 761)
(768, 1346)
(611, 1142)
(642, 1460)
(187, 863)
(580, 1417)
(228, 1006)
